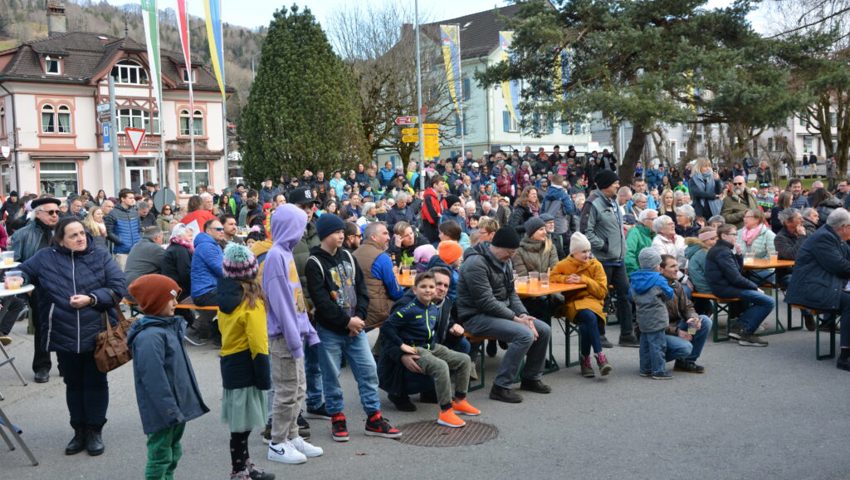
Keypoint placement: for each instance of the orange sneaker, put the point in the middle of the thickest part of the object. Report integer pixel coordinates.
(447, 418)
(464, 408)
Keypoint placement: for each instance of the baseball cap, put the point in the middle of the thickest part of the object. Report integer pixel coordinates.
(302, 196)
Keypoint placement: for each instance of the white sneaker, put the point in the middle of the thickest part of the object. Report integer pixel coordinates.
(285, 453)
(306, 447)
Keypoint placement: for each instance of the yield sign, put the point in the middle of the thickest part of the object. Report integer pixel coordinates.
(136, 135)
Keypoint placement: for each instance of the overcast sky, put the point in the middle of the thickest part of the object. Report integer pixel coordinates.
(260, 11)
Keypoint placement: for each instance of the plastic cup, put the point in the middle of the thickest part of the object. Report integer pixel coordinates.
(522, 284)
(533, 280)
(544, 280)
(749, 258)
(14, 280)
(8, 257)
(774, 258)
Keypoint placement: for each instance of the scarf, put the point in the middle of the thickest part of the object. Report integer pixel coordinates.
(184, 243)
(750, 234)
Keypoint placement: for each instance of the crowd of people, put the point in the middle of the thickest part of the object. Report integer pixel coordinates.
(297, 273)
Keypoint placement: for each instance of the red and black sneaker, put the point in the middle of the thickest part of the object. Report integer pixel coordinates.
(378, 426)
(339, 429)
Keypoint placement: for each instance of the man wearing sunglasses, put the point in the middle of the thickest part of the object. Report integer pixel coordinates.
(25, 243)
(736, 204)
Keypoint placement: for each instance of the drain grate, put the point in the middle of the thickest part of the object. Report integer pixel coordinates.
(429, 434)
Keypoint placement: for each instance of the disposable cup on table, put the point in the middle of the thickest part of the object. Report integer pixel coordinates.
(522, 284)
(544, 280)
(533, 280)
(749, 258)
(13, 280)
(8, 257)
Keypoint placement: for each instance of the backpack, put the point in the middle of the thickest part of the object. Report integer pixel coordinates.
(322, 269)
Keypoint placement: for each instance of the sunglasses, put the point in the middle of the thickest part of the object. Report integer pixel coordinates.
(219, 229)
(51, 212)
(737, 183)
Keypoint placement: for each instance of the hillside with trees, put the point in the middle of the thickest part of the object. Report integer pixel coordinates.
(26, 20)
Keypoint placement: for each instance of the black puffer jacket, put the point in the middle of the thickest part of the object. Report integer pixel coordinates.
(58, 274)
(723, 271)
(486, 286)
(177, 265)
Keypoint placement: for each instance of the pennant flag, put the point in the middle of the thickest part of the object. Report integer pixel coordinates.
(183, 29)
(450, 35)
(562, 72)
(510, 89)
(151, 22)
(212, 10)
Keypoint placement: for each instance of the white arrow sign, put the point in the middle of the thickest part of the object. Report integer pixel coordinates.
(135, 135)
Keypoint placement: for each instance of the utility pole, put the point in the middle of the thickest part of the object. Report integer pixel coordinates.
(116, 159)
(420, 112)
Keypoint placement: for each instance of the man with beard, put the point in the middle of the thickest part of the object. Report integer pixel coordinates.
(737, 204)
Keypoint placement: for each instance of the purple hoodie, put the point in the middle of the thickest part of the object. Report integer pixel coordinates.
(286, 311)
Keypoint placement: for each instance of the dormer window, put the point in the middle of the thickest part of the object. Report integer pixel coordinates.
(186, 75)
(52, 66)
(129, 73)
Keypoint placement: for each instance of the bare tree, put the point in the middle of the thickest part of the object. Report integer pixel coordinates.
(379, 45)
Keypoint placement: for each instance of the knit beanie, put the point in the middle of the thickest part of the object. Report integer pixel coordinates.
(649, 258)
(153, 292)
(506, 237)
(450, 251)
(239, 262)
(423, 253)
(605, 179)
(533, 224)
(327, 224)
(451, 200)
(579, 243)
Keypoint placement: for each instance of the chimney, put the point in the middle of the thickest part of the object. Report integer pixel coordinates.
(57, 22)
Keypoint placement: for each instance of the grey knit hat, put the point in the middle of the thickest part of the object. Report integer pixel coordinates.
(649, 258)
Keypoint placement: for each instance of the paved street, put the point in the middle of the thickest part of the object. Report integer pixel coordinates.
(772, 413)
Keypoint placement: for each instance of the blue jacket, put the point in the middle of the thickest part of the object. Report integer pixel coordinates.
(206, 265)
(649, 291)
(821, 271)
(58, 274)
(386, 176)
(414, 324)
(166, 389)
(123, 228)
(723, 271)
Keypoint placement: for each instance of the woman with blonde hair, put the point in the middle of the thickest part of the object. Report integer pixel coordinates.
(95, 226)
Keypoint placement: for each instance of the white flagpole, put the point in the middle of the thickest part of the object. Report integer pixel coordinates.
(191, 76)
(460, 98)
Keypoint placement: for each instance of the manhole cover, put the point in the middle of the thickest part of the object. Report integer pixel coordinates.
(429, 434)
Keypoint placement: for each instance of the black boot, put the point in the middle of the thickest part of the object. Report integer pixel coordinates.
(78, 443)
(94, 442)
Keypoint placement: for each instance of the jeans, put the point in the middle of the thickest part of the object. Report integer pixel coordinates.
(588, 324)
(618, 278)
(521, 343)
(315, 398)
(86, 389)
(357, 352)
(653, 349)
(164, 451)
(696, 344)
(289, 387)
(760, 306)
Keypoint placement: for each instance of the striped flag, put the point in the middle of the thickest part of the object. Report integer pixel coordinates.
(450, 36)
(151, 23)
(212, 11)
(183, 29)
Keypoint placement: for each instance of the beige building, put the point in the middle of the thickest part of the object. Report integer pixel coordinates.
(50, 90)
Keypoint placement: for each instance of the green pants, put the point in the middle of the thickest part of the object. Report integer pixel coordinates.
(164, 451)
(441, 363)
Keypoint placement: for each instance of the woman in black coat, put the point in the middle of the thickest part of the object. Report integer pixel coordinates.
(177, 265)
(78, 286)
